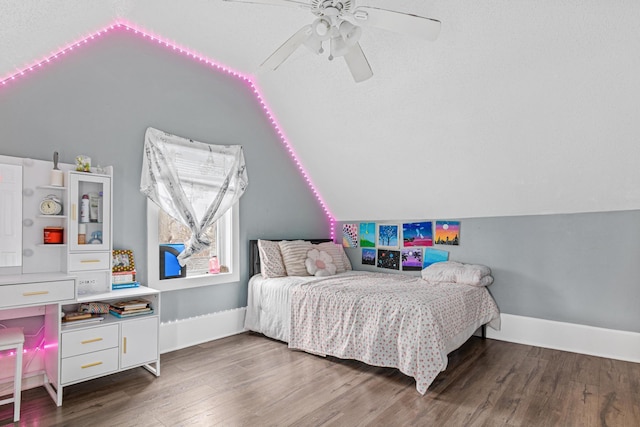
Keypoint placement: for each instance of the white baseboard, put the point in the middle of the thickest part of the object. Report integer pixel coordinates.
(610, 343)
(197, 330)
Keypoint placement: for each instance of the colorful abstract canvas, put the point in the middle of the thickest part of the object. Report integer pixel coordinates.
(368, 234)
(350, 235)
(447, 232)
(431, 256)
(368, 256)
(417, 234)
(411, 259)
(389, 259)
(388, 235)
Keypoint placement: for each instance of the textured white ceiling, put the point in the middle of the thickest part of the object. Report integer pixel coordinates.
(523, 107)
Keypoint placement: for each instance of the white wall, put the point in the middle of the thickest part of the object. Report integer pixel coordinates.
(523, 107)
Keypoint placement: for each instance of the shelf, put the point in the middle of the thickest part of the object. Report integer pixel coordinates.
(51, 187)
(118, 294)
(52, 216)
(49, 245)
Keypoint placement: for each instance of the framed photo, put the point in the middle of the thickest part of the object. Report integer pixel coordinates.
(122, 260)
(388, 235)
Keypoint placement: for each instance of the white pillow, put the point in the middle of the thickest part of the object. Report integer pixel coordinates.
(294, 254)
(271, 264)
(319, 263)
(456, 272)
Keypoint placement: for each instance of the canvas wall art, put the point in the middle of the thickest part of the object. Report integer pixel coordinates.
(350, 235)
(368, 256)
(431, 256)
(447, 232)
(388, 235)
(417, 234)
(368, 234)
(389, 259)
(411, 259)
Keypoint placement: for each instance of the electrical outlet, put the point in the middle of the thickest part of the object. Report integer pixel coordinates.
(87, 282)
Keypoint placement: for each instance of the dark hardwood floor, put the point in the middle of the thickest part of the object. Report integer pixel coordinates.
(250, 380)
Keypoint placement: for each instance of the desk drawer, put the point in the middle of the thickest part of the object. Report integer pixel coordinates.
(37, 293)
(89, 365)
(89, 340)
(90, 261)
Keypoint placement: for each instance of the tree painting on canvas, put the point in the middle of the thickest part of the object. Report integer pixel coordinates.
(388, 235)
(350, 235)
(417, 234)
(447, 232)
(368, 234)
(411, 259)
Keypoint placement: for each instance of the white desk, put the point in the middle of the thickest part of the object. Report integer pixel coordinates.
(75, 353)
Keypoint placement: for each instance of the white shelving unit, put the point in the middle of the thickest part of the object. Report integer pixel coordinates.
(57, 277)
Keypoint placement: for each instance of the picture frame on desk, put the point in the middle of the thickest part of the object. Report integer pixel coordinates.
(122, 260)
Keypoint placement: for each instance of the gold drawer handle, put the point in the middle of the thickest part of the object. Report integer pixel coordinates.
(30, 294)
(125, 345)
(91, 365)
(90, 341)
(84, 261)
(73, 211)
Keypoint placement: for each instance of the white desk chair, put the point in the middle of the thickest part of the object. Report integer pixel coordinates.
(13, 339)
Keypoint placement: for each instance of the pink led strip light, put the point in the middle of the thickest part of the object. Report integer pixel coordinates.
(197, 57)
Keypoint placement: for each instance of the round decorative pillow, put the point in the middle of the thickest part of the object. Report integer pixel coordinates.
(319, 263)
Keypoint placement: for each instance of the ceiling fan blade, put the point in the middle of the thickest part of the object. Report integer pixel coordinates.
(286, 3)
(358, 64)
(283, 52)
(403, 23)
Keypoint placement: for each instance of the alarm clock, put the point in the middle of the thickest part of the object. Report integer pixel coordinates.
(50, 205)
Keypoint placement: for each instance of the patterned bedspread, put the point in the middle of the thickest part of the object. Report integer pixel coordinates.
(388, 320)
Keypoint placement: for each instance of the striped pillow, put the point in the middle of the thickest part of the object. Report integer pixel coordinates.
(271, 264)
(294, 254)
(336, 251)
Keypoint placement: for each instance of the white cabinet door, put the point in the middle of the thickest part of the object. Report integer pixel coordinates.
(94, 220)
(139, 342)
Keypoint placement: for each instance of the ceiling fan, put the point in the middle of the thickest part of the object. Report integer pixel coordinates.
(339, 22)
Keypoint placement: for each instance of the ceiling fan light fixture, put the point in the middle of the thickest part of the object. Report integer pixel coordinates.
(350, 33)
(322, 29)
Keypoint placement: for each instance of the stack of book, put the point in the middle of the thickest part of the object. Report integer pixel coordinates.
(123, 280)
(130, 308)
(78, 318)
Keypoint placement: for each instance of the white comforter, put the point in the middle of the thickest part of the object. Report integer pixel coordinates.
(381, 319)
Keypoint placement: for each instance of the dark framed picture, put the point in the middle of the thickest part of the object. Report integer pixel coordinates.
(122, 260)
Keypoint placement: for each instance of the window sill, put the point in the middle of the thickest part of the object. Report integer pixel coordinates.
(195, 282)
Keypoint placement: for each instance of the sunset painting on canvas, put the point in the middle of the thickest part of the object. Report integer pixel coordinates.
(447, 232)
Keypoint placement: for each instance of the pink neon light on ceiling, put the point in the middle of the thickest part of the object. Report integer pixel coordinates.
(197, 57)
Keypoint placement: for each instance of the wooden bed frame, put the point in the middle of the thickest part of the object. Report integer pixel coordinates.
(254, 265)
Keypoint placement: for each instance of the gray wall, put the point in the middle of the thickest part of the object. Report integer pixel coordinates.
(99, 100)
(577, 268)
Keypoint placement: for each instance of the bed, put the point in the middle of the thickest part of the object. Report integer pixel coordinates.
(382, 319)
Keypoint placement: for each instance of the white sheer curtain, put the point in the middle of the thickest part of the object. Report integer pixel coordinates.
(194, 182)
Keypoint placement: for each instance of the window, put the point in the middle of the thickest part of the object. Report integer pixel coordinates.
(162, 229)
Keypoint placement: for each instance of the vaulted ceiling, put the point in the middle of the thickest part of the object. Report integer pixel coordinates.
(525, 107)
